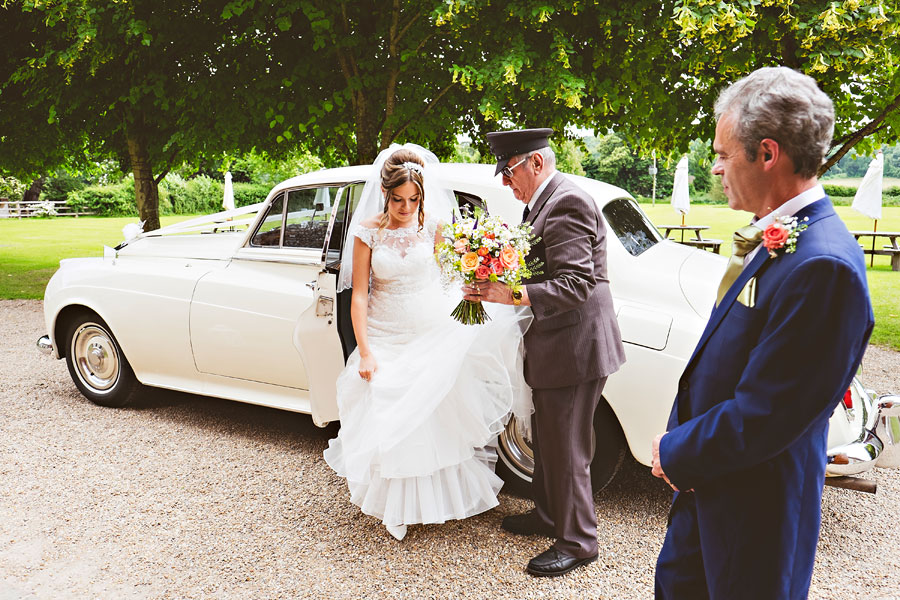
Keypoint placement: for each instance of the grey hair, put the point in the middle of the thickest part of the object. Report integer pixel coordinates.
(783, 105)
(547, 154)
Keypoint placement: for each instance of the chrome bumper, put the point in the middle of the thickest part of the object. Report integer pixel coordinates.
(45, 345)
(877, 446)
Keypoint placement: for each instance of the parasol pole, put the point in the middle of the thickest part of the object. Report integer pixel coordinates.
(874, 230)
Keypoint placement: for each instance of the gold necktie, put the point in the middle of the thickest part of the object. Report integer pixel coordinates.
(745, 240)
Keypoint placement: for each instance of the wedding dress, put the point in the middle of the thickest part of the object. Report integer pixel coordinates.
(414, 443)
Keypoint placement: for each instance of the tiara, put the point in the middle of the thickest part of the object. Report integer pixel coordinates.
(413, 167)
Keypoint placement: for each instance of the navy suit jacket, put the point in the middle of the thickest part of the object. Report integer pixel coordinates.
(749, 426)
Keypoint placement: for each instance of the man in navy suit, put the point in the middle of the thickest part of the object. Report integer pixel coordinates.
(745, 448)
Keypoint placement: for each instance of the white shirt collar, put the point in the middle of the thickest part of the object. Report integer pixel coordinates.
(537, 192)
(788, 209)
(792, 206)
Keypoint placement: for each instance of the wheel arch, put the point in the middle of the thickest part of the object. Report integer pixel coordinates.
(64, 316)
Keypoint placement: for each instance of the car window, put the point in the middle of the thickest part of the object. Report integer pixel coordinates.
(630, 225)
(468, 202)
(308, 211)
(269, 232)
(350, 196)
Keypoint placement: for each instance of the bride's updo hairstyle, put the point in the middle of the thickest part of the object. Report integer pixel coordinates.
(400, 167)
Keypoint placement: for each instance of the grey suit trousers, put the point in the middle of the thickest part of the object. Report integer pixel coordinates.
(562, 427)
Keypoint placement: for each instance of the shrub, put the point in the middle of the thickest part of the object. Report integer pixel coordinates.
(246, 194)
(107, 200)
(193, 196)
(839, 190)
(59, 186)
(44, 209)
(11, 188)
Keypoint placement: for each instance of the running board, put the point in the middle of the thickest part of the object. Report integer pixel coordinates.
(857, 484)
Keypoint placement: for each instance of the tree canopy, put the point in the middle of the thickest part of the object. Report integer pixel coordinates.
(850, 48)
(150, 82)
(157, 82)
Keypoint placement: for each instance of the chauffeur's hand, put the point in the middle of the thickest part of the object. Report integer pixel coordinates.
(490, 291)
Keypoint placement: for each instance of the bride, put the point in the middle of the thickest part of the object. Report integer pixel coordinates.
(422, 397)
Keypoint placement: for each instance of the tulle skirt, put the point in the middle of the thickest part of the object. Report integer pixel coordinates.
(415, 443)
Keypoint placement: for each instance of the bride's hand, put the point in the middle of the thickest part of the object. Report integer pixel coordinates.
(367, 367)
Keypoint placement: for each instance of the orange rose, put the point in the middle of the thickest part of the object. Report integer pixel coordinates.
(775, 236)
(482, 251)
(468, 262)
(509, 257)
(482, 272)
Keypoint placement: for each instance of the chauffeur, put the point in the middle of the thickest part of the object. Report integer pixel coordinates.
(571, 347)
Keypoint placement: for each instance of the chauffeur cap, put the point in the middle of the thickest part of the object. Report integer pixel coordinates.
(506, 144)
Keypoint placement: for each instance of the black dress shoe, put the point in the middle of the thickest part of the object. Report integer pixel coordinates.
(527, 524)
(553, 563)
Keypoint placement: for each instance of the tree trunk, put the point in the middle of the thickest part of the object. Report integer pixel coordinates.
(33, 193)
(146, 190)
(367, 147)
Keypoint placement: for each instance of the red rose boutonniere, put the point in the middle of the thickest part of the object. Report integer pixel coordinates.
(783, 235)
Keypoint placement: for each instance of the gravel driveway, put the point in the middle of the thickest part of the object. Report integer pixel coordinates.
(189, 497)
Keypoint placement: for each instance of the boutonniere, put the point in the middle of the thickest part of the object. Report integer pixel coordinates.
(783, 235)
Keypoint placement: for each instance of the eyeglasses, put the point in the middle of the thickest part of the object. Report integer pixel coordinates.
(507, 171)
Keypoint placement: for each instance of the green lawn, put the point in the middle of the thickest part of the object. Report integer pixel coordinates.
(30, 251)
(884, 284)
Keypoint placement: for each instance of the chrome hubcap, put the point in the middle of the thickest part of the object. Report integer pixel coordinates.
(95, 357)
(516, 450)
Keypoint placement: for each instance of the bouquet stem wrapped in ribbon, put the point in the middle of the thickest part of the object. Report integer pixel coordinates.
(483, 248)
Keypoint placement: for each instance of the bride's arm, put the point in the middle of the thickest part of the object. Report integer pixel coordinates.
(359, 306)
(438, 233)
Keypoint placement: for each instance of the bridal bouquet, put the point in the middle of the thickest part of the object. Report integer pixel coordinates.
(483, 248)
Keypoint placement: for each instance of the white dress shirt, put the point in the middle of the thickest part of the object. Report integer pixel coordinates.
(788, 209)
(537, 192)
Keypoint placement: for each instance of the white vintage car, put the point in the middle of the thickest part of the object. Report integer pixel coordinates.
(209, 306)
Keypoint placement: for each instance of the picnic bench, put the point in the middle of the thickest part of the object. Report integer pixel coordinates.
(892, 249)
(697, 241)
(21, 208)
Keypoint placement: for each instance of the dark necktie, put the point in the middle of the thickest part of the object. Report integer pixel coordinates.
(525, 213)
(745, 240)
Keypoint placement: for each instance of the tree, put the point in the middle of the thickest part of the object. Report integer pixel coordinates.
(849, 47)
(353, 77)
(651, 71)
(160, 82)
(152, 82)
(612, 160)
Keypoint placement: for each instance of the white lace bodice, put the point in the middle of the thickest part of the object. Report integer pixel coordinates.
(405, 296)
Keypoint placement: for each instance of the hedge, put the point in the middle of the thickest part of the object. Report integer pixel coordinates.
(850, 191)
(107, 200)
(199, 195)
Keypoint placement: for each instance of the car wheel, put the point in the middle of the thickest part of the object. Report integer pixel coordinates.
(516, 464)
(96, 362)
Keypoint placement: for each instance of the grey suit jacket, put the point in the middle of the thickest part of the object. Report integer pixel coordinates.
(575, 336)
